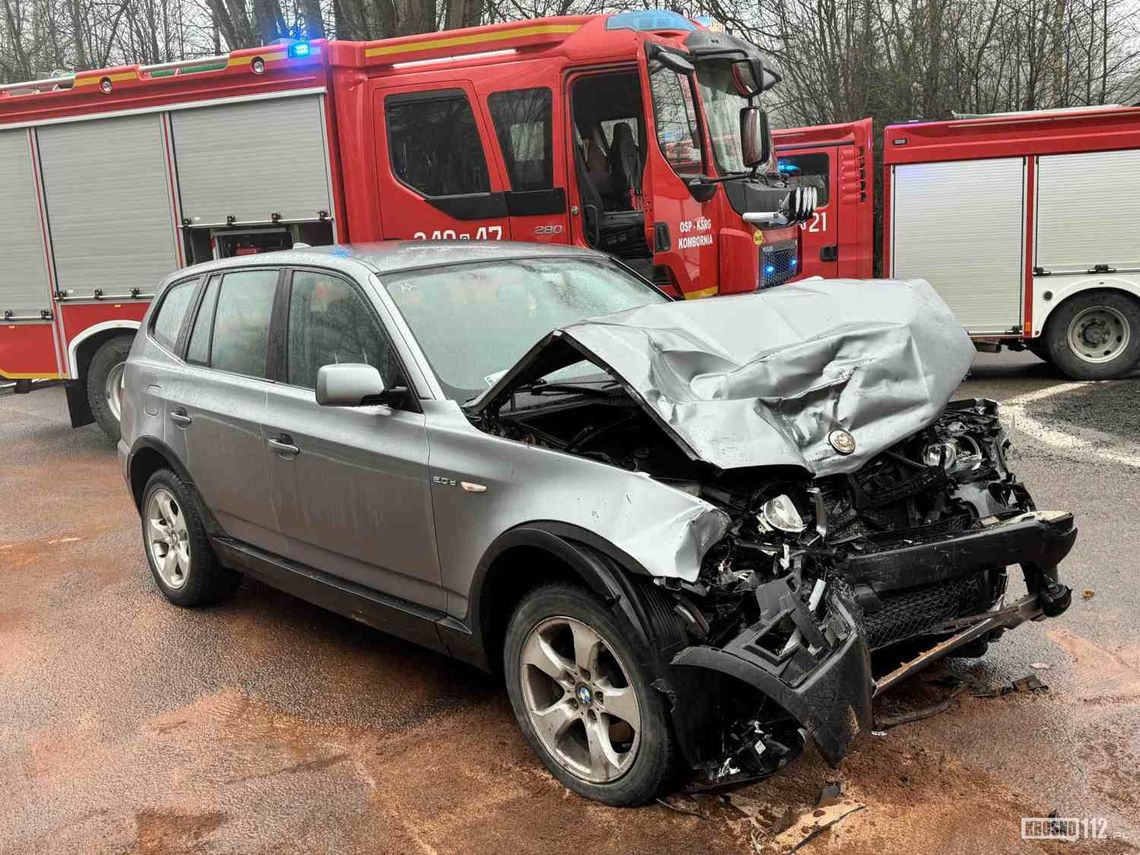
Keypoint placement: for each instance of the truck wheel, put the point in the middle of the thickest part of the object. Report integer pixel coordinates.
(583, 699)
(105, 383)
(177, 547)
(1095, 335)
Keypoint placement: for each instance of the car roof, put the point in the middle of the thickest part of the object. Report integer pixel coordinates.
(397, 255)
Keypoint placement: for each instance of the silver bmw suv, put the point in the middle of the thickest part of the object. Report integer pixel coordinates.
(677, 529)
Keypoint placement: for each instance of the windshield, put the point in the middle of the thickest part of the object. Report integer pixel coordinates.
(723, 104)
(475, 321)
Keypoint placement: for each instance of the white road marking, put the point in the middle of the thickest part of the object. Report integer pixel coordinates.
(1016, 415)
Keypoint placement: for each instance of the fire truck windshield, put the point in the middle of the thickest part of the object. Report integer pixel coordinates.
(722, 103)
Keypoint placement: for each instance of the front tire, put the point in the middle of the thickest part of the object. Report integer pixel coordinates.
(582, 695)
(1095, 335)
(105, 384)
(177, 546)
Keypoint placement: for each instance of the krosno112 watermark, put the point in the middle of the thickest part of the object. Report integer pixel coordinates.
(1070, 828)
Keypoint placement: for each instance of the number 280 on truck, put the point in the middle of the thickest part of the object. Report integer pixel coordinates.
(639, 134)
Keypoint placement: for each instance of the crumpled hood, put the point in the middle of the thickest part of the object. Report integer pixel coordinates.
(762, 379)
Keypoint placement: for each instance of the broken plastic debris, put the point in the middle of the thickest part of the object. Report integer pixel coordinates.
(1040, 666)
(829, 795)
(1029, 683)
(1088, 594)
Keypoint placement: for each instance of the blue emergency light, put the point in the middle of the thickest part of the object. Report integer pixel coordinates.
(299, 50)
(649, 20)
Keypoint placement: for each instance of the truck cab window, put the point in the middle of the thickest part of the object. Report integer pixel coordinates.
(675, 115)
(812, 170)
(434, 144)
(523, 121)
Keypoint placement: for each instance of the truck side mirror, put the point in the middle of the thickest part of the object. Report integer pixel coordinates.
(755, 137)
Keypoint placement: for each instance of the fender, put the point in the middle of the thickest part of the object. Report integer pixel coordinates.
(209, 521)
(94, 329)
(1062, 286)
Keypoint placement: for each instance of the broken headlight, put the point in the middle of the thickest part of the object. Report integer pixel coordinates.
(780, 513)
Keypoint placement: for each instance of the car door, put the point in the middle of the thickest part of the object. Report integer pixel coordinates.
(350, 484)
(216, 402)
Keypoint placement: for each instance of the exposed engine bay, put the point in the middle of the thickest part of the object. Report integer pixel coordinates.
(815, 574)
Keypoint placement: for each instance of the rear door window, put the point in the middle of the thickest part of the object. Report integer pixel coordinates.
(523, 119)
(434, 144)
(330, 323)
(171, 313)
(241, 322)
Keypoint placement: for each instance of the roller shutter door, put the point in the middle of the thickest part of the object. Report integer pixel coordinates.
(251, 160)
(109, 205)
(24, 287)
(1083, 202)
(960, 226)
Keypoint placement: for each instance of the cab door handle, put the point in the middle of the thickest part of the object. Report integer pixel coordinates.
(180, 418)
(283, 446)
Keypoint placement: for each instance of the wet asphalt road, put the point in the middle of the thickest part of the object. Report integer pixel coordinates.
(266, 724)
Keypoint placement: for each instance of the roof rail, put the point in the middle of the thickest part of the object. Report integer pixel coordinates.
(1087, 108)
(35, 86)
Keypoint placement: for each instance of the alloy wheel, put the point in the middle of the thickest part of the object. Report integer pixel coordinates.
(579, 699)
(167, 537)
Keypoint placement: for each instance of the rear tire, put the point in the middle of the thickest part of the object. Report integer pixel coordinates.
(616, 747)
(105, 383)
(177, 546)
(1095, 335)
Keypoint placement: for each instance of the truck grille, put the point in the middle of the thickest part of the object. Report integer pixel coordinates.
(911, 613)
(779, 262)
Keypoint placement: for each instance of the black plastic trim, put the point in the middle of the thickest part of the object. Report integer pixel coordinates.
(1042, 542)
(470, 206)
(531, 203)
(392, 615)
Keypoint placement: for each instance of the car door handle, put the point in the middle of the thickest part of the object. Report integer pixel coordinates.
(283, 446)
(180, 418)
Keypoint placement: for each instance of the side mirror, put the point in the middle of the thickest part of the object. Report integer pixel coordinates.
(701, 189)
(348, 384)
(755, 137)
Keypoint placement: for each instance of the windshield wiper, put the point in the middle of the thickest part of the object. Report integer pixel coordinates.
(586, 387)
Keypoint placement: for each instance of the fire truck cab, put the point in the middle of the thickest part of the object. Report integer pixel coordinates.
(638, 133)
(838, 161)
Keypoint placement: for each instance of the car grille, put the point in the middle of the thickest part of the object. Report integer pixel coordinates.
(911, 613)
(779, 262)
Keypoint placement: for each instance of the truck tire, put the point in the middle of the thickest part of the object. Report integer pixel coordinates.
(177, 546)
(105, 383)
(1095, 335)
(583, 700)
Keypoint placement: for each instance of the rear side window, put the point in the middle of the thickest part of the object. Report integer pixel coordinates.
(814, 171)
(199, 348)
(171, 312)
(241, 322)
(523, 119)
(434, 145)
(330, 323)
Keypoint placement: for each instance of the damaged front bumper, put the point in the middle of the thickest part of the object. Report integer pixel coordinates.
(811, 655)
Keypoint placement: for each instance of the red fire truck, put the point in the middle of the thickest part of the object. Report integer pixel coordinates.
(635, 133)
(999, 214)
